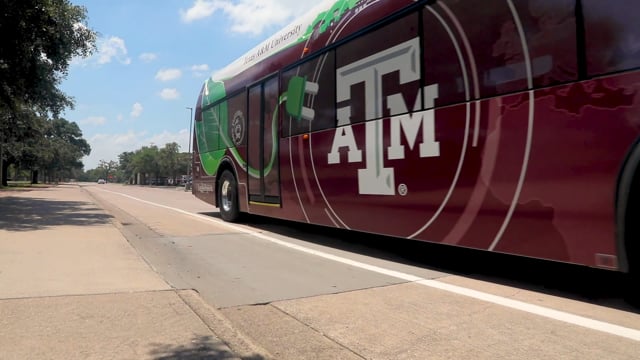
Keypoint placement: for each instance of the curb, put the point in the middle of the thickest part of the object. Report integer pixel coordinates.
(239, 343)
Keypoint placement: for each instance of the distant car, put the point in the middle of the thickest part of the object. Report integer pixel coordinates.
(102, 181)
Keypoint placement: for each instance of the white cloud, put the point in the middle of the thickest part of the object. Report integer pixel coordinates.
(93, 120)
(166, 137)
(199, 10)
(108, 146)
(120, 117)
(264, 13)
(148, 57)
(200, 70)
(168, 74)
(110, 49)
(169, 94)
(136, 111)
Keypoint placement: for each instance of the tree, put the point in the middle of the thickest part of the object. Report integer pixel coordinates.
(91, 175)
(146, 162)
(126, 166)
(31, 128)
(107, 169)
(170, 160)
(33, 150)
(64, 149)
(39, 39)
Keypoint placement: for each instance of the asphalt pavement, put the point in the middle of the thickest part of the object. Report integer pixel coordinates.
(72, 287)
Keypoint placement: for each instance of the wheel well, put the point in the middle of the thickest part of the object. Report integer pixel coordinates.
(225, 165)
(627, 213)
(632, 225)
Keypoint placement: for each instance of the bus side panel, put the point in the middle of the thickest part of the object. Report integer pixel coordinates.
(582, 133)
(439, 137)
(525, 181)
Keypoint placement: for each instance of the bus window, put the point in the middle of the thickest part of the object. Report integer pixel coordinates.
(254, 122)
(491, 50)
(387, 51)
(549, 27)
(237, 119)
(612, 33)
(270, 138)
(308, 110)
(441, 60)
(210, 133)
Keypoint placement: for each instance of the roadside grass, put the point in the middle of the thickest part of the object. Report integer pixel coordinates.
(22, 185)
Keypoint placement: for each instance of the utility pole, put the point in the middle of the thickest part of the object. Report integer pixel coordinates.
(189, 175)
(190, 126)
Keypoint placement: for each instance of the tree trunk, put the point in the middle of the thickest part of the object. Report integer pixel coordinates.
(3, 175)
(34, 176)
(5, 167)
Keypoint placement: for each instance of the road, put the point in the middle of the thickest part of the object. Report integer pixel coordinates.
(304, 292)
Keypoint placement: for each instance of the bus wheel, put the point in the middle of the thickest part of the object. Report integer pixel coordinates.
(633, 252)
(632, 234)
(228, 197)
(633, 277)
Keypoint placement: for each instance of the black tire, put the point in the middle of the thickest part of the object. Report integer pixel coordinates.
(632, 288)
(631, 295)
(628, 203)
(228, 197)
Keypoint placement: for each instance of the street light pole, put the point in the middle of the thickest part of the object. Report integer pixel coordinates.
(187, 186)
(190, 136)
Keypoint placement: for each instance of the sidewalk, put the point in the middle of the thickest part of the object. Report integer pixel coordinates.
(72, 287)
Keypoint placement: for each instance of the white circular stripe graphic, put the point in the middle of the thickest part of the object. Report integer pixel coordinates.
(293, 177)
(489, 163)
(463, 65)
(329, 210)
(340, 28)
(293, 174)
(466, 136)
(527, 151)
(474, 69)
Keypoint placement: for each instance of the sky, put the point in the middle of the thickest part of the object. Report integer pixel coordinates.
(151, 61)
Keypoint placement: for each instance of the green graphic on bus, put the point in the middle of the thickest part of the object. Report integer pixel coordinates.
(212, 133)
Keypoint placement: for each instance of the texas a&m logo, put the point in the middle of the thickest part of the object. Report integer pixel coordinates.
(374, 178)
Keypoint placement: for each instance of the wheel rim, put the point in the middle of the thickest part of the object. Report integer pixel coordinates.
(226, 196)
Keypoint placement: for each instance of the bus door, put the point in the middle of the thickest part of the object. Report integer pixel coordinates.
(264, 177)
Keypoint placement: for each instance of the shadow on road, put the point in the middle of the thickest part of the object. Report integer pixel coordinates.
(602, 287)
(201, 348)
(28, 214)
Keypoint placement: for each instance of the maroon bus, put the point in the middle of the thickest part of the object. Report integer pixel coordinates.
(503, 125)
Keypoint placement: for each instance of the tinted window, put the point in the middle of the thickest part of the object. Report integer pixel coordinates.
(311, 96)
(209, 134)
(612, 35)
(485, 46)
(550, 33)
(253, 135)
(270, 138)
(237, 120)
(376, 66)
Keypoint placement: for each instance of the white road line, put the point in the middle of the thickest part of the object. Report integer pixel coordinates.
(582, 321)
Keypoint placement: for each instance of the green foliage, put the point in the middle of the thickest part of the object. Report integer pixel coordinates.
(39, 40)
(107, 170)
(126, 168)
(171, 161)
(146, 161)
(91, 175)
(153, 164)
(62, 149)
